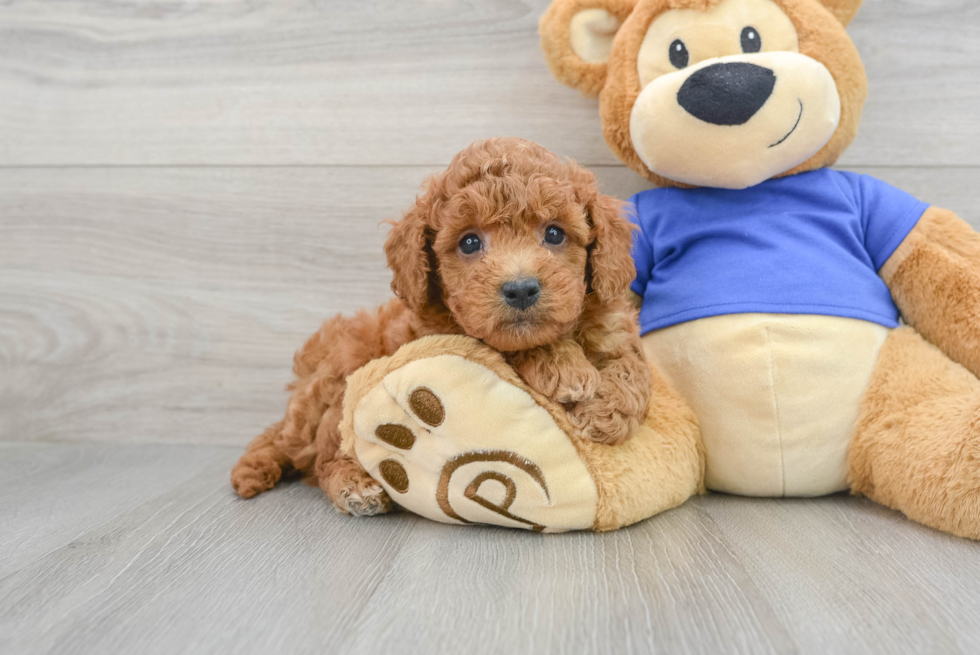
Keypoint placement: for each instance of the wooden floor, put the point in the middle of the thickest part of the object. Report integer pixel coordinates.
(188, 188)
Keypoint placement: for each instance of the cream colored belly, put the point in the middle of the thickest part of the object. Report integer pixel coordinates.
(777, 396)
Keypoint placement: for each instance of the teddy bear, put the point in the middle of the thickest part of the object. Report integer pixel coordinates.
(823, 326)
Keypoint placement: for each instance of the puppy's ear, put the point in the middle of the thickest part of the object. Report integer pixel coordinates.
(411, 259)
(844, 10)
(577, 37)
(610, 268)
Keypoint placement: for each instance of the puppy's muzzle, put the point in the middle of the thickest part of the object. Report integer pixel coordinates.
(522, 292)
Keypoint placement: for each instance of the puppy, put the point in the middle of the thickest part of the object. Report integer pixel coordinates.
(509, 245)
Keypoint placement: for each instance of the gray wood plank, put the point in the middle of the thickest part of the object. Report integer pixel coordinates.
(390, 83)
(196, 570)
(854, 577)
(666, 585)
(165, 304)
(202, 571)
(128, 293)
(54, 493)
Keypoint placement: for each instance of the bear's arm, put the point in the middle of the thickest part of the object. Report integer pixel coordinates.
(934, 278)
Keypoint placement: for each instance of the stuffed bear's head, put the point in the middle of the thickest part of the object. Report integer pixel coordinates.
(716, 93)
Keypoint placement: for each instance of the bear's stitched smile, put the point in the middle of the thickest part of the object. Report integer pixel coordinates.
(798, 119)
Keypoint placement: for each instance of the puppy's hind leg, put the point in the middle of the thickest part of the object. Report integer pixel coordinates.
(261, 467)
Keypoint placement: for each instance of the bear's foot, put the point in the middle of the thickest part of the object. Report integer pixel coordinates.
(451, 440)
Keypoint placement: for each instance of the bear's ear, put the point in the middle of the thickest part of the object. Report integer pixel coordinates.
(577, 36)
(844, 10)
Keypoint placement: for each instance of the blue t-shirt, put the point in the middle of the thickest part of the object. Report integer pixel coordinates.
(805, 244)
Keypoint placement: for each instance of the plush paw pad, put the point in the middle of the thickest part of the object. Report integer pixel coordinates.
(448, 439)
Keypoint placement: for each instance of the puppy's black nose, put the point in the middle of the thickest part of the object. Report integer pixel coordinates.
(727, 94)
(522, 292)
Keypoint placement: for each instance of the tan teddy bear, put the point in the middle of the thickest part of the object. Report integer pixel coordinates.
(772, 287)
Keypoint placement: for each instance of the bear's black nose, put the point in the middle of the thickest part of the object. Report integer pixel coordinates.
(521, 293)
(727, 94)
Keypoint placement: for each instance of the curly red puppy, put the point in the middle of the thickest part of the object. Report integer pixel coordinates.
(509, 245)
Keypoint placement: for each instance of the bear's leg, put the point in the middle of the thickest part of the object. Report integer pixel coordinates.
(917, 444)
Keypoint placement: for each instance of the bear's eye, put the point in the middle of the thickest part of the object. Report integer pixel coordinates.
(554, 235)
(470, 244)
(679, 55)
(751, 41)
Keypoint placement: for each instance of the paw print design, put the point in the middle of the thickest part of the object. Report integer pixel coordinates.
(450, 440)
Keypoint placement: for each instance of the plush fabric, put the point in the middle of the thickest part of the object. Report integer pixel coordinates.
(934, 277)
(556, 40)
(815, 249)
(843, 10)
(591, 34)
(917, 444)
(495, 455)
(776, 414)
(498, 452)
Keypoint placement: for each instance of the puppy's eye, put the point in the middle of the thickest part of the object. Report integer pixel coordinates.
(751, 41)
(470, 244)
(679, 56)
(554, 235)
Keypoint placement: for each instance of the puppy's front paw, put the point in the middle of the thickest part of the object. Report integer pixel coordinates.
(559, 371)
(600, 421)
(356, 493)
(364, 500)
(576, 384)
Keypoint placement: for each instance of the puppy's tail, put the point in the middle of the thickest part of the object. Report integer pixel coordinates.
(261, 467)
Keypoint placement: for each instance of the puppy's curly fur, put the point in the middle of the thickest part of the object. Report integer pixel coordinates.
(577, 343)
